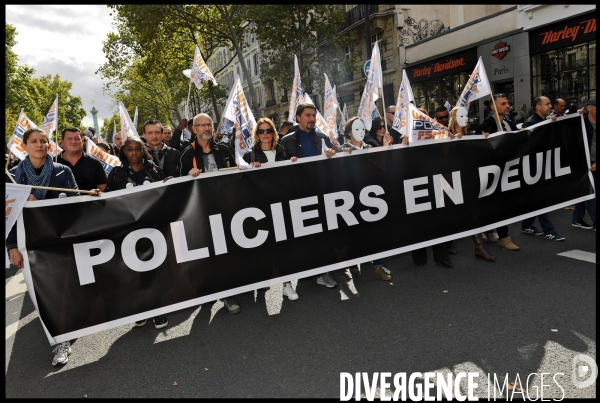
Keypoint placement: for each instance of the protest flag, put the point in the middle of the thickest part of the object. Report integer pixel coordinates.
(421, 127)
(330, 105)
(405, 95)
(237, 111)
(296, 94)
(477, 86)
(127, 127)
(135, 118)
(344, 119)
(371, 91)
(108, 161)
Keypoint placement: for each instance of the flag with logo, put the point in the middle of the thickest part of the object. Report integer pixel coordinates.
(50, 122)
(374, 111)
(343, 120)
(107, 160)
(405, 96)
(238, 111)
(477, 86)
(321, 124)
(448, 107)
(127, 127)
(330, 110)
(421, 127)
(296, 94)
(225, 128)
(200, 71)
(371, 91)
(16, 196)
(15, 143)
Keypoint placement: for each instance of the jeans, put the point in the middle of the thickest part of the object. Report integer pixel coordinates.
(547, 226)
(590, 205)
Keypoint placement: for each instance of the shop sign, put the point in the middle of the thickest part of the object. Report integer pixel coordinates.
(500, 50)
(567, 33)
(456, 63)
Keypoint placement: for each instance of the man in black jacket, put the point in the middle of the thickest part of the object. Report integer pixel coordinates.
(165, 157)
(305, 141)
(206, 155)
(492, 125)
(542, 107)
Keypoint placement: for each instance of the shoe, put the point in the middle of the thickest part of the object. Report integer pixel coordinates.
(354, 270)
(446, 263)
(554, 236)
(289, 292)
(160, 321)
(326, 280)
(490, 236)
(232, 305)
(452, 248)
(480, 251)
(507, 243)
(582, 224)
(61, 353)
(382, 274)
(140, 322)
(532, 231)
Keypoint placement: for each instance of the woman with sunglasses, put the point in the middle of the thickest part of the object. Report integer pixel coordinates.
(378, 137)
(266, 149)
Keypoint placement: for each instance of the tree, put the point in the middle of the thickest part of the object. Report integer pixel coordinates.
(307, 31)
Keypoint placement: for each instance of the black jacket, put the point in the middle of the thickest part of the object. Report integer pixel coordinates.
(171, 160)
(259, 154)
(292, 145)
(117, 178)
(532, 120)
(489, 126)
(224, 157)
(176, 141)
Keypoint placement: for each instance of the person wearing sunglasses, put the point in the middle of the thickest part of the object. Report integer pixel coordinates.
(266, 149)
(378, 137)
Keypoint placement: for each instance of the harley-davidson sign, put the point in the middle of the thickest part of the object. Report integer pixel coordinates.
(500, 50)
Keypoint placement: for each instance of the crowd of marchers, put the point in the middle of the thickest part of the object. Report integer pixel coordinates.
(162, 153)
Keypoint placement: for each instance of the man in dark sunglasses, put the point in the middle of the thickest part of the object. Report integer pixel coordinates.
(441, 115)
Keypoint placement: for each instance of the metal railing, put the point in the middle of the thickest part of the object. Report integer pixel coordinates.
(357, 14)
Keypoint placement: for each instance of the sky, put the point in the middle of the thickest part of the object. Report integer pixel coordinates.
(65, 40)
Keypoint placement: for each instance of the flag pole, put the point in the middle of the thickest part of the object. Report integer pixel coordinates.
(56, 130)
(383, 103)
(187, 102)
(51, 188)
(500, 127)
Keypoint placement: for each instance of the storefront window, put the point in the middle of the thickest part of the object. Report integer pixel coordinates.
(433, 93)
(568, 73)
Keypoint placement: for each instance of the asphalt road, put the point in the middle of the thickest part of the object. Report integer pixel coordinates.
(530, 312)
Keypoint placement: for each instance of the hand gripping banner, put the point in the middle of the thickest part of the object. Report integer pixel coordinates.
(97, 263)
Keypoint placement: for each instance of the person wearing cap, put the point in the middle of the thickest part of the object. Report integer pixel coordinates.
(589, 121)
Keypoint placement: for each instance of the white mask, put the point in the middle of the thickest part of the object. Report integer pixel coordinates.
(462, 117)
(358, 130)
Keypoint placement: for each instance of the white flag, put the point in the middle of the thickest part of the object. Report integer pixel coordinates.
(344, 119)
(296, 94)
(16, 196)
(114, 133)
(371, 91)
(421, 127)
(478, 86)
(200, 71)
(135, 118)
(15, 143)
(237, 111)
(405, 95)
(330, 110)
(127, 127)
(50, 122)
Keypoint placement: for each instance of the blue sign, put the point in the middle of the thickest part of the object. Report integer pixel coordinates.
(367, 67)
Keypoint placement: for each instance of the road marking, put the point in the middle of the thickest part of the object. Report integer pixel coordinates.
(580, 255)
(15, 294)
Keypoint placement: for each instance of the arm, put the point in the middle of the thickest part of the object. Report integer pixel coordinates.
(175, 141)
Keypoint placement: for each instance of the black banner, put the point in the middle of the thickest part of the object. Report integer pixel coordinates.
(93, 264)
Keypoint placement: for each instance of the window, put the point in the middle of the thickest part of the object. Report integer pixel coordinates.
(248, 66)
(256, 64)
(348, 52)
(376, 38)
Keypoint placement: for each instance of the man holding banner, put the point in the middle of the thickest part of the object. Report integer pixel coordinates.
(88, 171)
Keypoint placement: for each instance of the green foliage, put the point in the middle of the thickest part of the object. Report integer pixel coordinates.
(308, 31)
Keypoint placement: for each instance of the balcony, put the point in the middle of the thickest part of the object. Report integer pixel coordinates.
(357, 14)
(270, 102)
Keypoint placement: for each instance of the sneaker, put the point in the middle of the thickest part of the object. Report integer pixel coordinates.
(554, 236)
(507, 243)
(232, 305)
(160, 321)
(382, 273)
(582, 224)
(289, 292)
(61, 353)
(140, 322)
(326, 280)
(532, 231)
